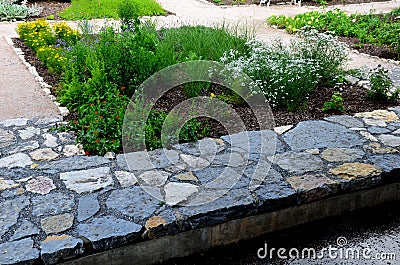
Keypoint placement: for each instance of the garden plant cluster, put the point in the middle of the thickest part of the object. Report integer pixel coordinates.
(377, 29)
(101, 71)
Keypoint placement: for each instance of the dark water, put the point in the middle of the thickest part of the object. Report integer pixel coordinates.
(364, 237)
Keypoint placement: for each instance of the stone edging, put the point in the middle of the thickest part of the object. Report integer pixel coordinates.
(61, 204)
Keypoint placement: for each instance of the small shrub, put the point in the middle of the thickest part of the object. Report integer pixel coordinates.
(382, 86)
(335, 104)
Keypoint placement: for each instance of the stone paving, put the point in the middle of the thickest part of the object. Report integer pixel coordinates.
(58, 203)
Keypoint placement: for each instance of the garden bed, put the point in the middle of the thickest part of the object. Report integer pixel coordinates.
(355, 100)
(374, 34)
(304, 3)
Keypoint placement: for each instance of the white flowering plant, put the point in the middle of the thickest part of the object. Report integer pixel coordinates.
(287, 73)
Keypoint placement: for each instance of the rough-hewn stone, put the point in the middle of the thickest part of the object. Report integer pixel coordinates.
(349, 171)
(87, 180)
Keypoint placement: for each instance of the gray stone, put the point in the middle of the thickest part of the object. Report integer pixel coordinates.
(387, 162)
(41, 185)
(260, 173)
(378, 130)
(52, 204)
(368, 136)
(390, 140)
(55, 249)
(7, 184)
(162, 158)
(195, 163)
(14, 122)
(50, 140)
(256, 143)
(7, 138)
(154, 177)
(65, 137)
(229, 159)
(47, 120)
(87, 207)
(342, 154)
(299, 163)
(24, 230)
(44, 154)
(374, 122)
(108, 232)
(75, 163)
(275, 195)
(218, 177)
(136, 161)
(396, 110)
(321, 134)
(282, 129)
(125, 179)
(28, 133)
(9, 212)
(135, 202)
(25, 146)
(57, 223)
(396, 131)
(18, 252)
(346, 120)
(16, 160)
(209, 208)
(87, 180)
(176, 193)
(72, 150)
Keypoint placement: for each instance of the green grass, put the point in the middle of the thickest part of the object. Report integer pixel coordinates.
(88, 9)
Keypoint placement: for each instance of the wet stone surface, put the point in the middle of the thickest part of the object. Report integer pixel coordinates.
(55, 201)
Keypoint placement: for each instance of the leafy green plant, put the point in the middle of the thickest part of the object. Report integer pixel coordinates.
(371, 28)
(335, 104)
(128, 12)
(88, 9)
(382, 86)
(16, 10)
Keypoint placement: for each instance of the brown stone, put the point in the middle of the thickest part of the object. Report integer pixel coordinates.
(312, 187)
(57, 223)
(55, 238)
(153, 223)
(376, 148)
(351, 171)
(383, 115)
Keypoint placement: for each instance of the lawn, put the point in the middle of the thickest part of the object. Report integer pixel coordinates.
(88, 9)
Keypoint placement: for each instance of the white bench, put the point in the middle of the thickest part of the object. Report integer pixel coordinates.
(292, 2)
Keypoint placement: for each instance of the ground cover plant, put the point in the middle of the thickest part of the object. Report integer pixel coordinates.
(104, 70)
(16, 10)
(375, 29)
(88, 9)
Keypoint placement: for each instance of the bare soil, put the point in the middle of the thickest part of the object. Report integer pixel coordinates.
(50, 8)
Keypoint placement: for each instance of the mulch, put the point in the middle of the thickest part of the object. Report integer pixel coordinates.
(355, 100)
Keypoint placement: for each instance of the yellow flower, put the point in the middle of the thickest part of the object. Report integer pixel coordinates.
(212, 95)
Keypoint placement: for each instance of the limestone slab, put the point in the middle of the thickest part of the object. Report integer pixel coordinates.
(87, 180)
